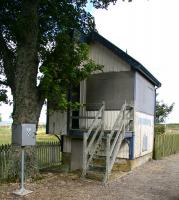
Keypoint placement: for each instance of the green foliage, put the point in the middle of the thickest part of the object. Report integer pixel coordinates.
(49, 29)
(159, 129)
(3, 96)
(43, 155)
(10, 162)
(0, 117)
(162, 111)
(104, 3)
(43, 35)
(65, 67)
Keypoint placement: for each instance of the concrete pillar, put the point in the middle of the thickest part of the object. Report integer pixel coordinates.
(72, 155)
(77, 154)
(66, 152)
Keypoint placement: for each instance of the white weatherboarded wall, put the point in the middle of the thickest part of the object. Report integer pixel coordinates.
(144, 95)
(112, 63)
(144, 134)
(144, 116)
(103, 56)
(57, 122)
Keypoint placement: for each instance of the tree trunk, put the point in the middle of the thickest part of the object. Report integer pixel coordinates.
(26, 108)
(27, 100)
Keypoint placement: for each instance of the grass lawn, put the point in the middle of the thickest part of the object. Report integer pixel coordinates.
(5, 135)
(172, 128)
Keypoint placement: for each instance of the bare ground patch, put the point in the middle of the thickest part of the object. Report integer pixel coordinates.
(156, 180)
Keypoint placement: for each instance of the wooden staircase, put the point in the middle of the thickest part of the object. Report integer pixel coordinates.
(101, 148)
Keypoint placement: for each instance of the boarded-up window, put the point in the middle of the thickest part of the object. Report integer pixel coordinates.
(145, 95)
(114, 88)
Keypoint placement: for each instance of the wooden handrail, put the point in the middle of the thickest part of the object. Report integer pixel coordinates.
(93, 137)
(117, 121)
(89, 147)
(113, 143)
(116, 139)
(94, 148)
(84, 117)
(94, 121)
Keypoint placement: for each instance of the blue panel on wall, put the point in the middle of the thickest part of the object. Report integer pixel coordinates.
(145, 143)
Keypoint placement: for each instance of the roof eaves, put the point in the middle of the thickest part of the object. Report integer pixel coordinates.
(148, 75)
(130, 60)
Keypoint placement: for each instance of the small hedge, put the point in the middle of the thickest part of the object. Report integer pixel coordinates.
(10, 163)
(159, 129)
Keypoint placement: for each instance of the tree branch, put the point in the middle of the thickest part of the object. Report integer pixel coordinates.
(4, 83)
(8, 61)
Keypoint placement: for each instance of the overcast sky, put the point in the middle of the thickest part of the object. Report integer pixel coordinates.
(149, 30)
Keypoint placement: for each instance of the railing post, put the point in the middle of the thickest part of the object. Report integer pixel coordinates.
(107, 158)
(102, 117)
(85, 154)
(124, 120)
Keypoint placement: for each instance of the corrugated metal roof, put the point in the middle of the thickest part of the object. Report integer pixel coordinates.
(94, 36)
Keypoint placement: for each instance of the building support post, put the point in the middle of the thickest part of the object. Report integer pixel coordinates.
(84, 154)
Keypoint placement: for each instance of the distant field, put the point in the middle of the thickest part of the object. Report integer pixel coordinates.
(172, 128)
(5, 135)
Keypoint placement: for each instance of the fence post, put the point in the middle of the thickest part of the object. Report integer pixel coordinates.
(85, 154)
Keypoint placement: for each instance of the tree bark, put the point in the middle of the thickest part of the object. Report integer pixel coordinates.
(27, 100)
(26, 96)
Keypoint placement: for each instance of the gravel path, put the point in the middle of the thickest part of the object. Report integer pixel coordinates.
(156, 180)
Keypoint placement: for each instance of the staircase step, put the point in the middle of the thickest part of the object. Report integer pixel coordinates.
(128, 107)
(97, 172)
(97, 168)
(95, 175)
(99, 160)
(121, 165)
(97, 165)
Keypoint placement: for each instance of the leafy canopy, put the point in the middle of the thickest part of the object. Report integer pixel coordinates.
(162, 111)
(48, 28)
(67, 65)
(50, 31)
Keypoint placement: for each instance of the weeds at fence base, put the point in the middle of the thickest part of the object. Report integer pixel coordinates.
(43, 155)
(11, 163)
